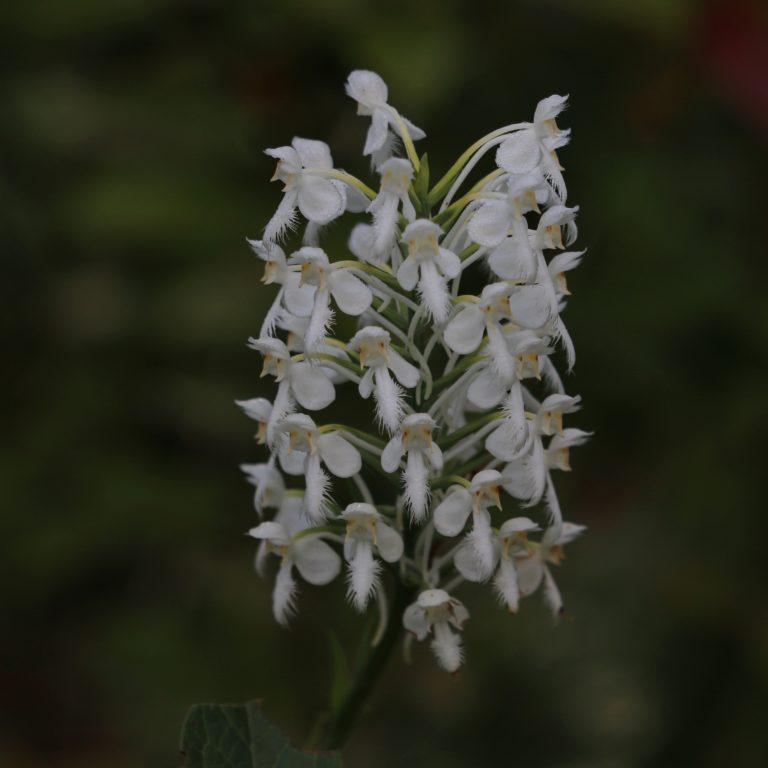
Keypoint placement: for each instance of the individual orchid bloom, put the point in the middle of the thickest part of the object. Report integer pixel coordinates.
(488, 388)
(451, 515)
(423, 456)
(534, 148)
(549, 231)
(533, 564)
(303, 168)
(525, 306)
(313, 558)
(502, 226)
(371, 93)
(292, 293)
(557, 453)
(437, 612)
(428, 266)
(510, 541)
(559, 265)
(259, 409)
(377, 355)
(352, 295)
(549, 419)
(466, 330)
(525, 475)
(308, 448)
(366, 535)
(307, 384)
(270, 488)
(296, 333)
(396, 174)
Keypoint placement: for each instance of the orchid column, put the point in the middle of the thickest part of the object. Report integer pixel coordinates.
(463, 389)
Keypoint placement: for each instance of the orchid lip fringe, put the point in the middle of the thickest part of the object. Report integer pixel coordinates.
(468, 401)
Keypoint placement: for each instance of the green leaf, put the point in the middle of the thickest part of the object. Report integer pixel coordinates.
(421, 187)
(421, 182)
(239, 736)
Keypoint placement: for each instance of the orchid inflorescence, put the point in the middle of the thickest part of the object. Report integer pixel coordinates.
(468, 404)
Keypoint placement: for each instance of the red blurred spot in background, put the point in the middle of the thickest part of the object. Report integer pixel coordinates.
(734, 44)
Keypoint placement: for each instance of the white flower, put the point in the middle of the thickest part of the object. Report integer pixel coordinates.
(305, 383)
(451, 515)
(509, 542)
(429, 265)
(415, 439)
(259, 409)
(351, 294)
(300, 167)
(306, 450)
(534, 147)
(532, 566)
(525, 476)
(361, 243)
(549, 232)
(376, 354)
(370, 92)
(559, 265)
(270, 488)
(315, 560)
(512, 257)
(525, 347)
(437, 612)
(291, 294)
(396, 174)
(367, 533)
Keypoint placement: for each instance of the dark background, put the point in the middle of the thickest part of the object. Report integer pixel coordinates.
(131, 171)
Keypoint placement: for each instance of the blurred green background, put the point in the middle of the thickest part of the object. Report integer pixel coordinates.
(131, 172)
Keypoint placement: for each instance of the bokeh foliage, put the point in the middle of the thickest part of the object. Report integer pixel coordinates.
(131, 173)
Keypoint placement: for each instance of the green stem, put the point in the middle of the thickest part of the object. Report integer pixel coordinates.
(346, 715)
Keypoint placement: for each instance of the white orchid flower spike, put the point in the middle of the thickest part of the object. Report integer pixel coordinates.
(306, 450)
(437, 612)
(367, 535)
(373, 345)
(442, 300)
(423, 457)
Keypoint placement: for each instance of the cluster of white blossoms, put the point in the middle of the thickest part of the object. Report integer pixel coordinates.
(461, 418)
